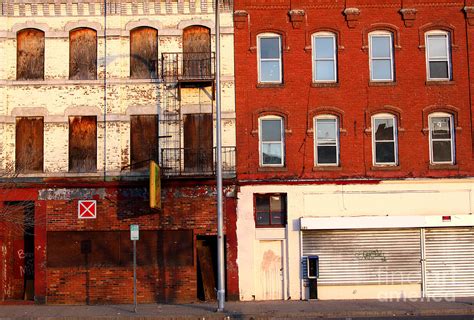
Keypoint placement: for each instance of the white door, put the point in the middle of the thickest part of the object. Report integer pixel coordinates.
(269, 281)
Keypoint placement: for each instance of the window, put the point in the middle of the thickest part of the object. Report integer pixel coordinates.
(143, 53)
(143, 140)
(438, 64)
(30, 55)
(83, 54)
(197, 53)
(381, 56)
(271, 141)
(269, 58)
(326, 138)
(270, 210)
(83, 144)
(441, 138)
(384, 139)
(324, 57)
(198, 143)
(29, 144)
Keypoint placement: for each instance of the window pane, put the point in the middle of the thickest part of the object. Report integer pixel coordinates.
(383, 129)
(327, 155)
(381, 70)
(270, 48)
(437, 46)
(271, 130)
(262, 203)
(270, 71)
(277, 218)
(276, 204)
(325, 70)
(381, 47)
(442, 151)
(326, 129)
(272, 153)
(440, 128)
(439, 69)
(384, 152)
(324, 47)
(263, 218)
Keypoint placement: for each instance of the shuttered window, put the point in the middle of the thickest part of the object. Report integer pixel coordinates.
(83, 54)
(83, 144)
(29, 144)
(30, 55)
(143, 53)
(197, 52)
(144, 140)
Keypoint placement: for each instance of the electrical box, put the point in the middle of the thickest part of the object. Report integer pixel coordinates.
(312, 263)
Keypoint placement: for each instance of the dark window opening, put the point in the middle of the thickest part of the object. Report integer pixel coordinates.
(198, 144)
(144, 140)
(83, 144)
(143, 53)
(83, 54)
(30, 55)
(270, 210)
(29, 144)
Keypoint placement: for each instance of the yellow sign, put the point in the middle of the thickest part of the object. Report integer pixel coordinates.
(155, 186)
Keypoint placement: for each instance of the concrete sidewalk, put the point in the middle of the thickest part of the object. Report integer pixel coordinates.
(246, 310)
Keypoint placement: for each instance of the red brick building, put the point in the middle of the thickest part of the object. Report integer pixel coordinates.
(353, 117)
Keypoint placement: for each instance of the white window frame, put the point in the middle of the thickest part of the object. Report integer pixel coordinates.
(259, 59)
(381, 34)
(428, 58)
(385, 116)
(334, 57)
(452, 139)
(282, 141)
(317, 142)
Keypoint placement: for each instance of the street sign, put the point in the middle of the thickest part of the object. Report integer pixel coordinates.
(134, 232)
(87, 209)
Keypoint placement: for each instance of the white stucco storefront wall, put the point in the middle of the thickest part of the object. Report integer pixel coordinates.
(388, 198)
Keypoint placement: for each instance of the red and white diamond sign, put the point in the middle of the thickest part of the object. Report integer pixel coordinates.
(87, 209)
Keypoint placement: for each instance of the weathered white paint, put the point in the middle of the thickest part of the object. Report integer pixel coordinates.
(421, 201)
(270, 270)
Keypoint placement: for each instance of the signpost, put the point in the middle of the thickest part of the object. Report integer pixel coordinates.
(134, 236)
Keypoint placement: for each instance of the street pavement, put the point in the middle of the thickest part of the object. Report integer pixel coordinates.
(462, 308)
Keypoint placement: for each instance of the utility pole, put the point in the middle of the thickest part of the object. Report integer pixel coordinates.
(220, 217)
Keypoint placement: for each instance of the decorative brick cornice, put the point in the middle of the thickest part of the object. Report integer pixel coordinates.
(469, 12)
(296, 17)
(352, 16)
(240, 19)
(408, 16)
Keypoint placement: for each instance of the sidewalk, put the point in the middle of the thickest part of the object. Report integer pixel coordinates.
(245, 310)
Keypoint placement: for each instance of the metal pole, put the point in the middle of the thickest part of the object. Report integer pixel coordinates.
(135, 276)
(220, 218)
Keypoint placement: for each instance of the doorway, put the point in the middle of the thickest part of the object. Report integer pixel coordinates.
(197, 52)
(206, 247)
(269, 281)
(198, 143)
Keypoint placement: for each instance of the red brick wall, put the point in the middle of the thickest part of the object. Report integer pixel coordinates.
(353, 96)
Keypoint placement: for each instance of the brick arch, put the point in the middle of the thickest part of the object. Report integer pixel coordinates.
(143, 23)
(326, 110)
(393, 29)
(396, 112)
(440, 108)
(72, 25)
(281, 33)
(274, 111)
(432, 26)
(309, 35)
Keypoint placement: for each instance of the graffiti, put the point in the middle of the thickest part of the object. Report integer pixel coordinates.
(371, 255)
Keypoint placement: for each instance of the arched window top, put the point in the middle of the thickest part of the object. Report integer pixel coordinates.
(384, 115)
(381, 29)
(325, 116)
(436, 28)
(143, 52)
(323, 33)
(83, 54)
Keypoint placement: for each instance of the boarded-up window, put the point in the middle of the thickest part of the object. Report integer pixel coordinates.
(30, 55)
(83, 144)
(114, 248)
(29, 144)
(83, 54)
(197, 52)
(144, 140)
(143, 53)
(198, 155)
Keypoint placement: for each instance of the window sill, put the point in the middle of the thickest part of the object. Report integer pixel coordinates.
(327, 168)
(324, 84)
(382, 83)
(272, 169)
(440, 82)
(267, 226)
(385, 168)
(270, 85)
(443, 166)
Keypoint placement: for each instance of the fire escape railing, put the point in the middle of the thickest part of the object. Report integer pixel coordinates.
(193, 66)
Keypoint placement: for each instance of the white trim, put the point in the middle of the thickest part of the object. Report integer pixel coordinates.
(259, 60)
(282, 141)
(381, 34)
(378, 222)
(334, 58)
(385, 116)
(315, 133)
(447, 59)
(452, 140)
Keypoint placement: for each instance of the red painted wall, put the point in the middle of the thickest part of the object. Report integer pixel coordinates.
(298, 101)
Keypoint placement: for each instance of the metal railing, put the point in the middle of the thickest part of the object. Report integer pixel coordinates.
(193, 66)
(196, 162)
